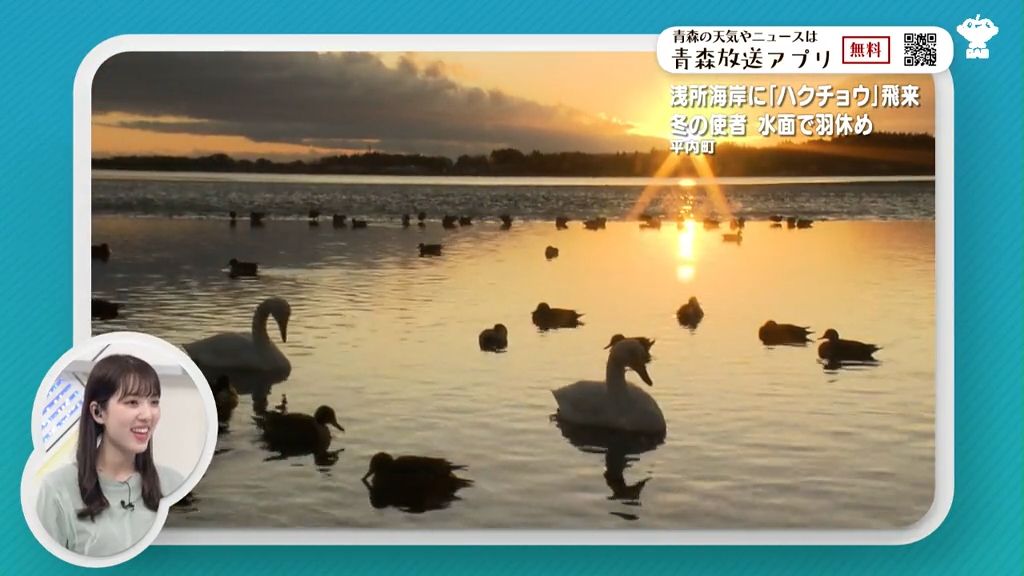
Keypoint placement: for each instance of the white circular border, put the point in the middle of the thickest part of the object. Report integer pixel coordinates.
(38, 455)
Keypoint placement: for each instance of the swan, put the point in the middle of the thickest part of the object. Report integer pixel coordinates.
(614, 403)
(250, 354)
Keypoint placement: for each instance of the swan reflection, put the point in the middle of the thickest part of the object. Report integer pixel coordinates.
(621, 449)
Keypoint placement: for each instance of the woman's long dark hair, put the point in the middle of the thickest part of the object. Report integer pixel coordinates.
(119, 375)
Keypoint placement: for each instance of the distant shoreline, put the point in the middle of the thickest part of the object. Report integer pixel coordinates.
(457, 180)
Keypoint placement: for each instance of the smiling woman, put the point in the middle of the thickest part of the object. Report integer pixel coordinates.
(107, 499)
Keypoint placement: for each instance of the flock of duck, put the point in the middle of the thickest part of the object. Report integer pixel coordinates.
(419, 483)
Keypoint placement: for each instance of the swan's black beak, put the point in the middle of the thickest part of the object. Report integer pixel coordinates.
(336, 425)
(642, 371)
(284, 332)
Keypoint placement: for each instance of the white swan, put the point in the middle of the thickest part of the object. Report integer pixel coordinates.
(614, 403)
(248, 354)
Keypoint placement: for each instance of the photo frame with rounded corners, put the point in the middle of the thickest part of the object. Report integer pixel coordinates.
(39, 454)
(944, 259)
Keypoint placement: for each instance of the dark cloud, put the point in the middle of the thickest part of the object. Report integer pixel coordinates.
(340, 99)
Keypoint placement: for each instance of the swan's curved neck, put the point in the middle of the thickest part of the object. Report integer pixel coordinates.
(259, 325)
(615, 374)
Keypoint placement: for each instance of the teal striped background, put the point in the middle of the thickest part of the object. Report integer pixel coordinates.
(45, 41)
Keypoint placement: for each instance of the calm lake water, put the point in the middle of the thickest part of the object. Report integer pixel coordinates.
(757, 437)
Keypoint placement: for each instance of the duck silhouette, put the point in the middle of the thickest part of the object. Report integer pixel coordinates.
(494, 339)
(413, 484)
(239, 269)
(547, 318)
(101, 252)
(551, 252)
(105, 309)
(835, 349)
(735, 238)
(430, 249)
(647, 343)
(294, 433)
(772, 334)
(225, 397)
(690, 314)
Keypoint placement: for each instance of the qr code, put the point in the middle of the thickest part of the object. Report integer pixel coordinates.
(919, 49)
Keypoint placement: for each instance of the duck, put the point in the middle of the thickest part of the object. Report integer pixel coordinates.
(430, 249)
(233, 217)
(804, 223)
(314, 217)
(358, 224)
(283, 406)
(647, 343)
(494, 339)
(101, 252)
(772, 333)
(297, 433)
(465, 221)
(737, 223)
(594, 224)
(690, 314)
(105, 309)
(614, 403)
(406, 220)
(651, 223)
(506, 221)
(338, 220)
(736, 238)
(225, 398)
(449, 222)
(777, 218)
(791, 222)
(546, 318)
(413, 483)
(561, 223)
(551, 252)
(711, 223)
(256, 219)
(834, 349)
(421, 215)
(250, 354)
(239, 269)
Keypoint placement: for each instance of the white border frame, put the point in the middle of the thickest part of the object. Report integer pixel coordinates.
(82, 282)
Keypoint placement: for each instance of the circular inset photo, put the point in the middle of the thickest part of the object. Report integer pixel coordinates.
(123, 426)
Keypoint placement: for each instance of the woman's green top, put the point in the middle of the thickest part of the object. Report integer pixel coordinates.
(115, 529)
